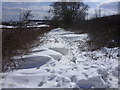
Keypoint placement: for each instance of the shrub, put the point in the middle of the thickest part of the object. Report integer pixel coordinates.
(18, 41)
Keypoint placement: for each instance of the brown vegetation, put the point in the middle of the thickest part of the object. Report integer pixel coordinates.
(18, 41)
(103, 32)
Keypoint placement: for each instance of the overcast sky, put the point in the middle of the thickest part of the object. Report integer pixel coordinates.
(11, 8)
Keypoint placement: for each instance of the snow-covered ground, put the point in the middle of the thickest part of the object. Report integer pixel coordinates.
(64, 61)
(39, 26)
(34, 26)
(4, 26)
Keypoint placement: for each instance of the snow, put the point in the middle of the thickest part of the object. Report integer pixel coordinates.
(42, 25)
(32, 62)
(53, 54)
(4, 26)
(61, 62)
(39, 26)
(93, 82)
(36, 26)
(1, 26)
(58, 47)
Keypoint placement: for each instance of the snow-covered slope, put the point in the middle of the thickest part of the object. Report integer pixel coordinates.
(64, 61)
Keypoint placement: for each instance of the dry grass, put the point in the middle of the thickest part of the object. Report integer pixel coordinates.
(18, 42)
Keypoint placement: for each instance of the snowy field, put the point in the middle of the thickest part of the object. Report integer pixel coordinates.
(4, 26)
(63, 61)
(32, 26)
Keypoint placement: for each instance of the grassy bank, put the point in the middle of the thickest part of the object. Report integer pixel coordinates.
(18, 41)
(103, 32)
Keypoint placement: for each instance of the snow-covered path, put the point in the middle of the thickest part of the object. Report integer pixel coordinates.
(63, 61)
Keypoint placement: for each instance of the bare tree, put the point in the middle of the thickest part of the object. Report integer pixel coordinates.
(66, 13)
(47, 17)
(25, 17)
(97, 13)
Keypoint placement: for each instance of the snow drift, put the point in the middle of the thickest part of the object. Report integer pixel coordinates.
(61, 62)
